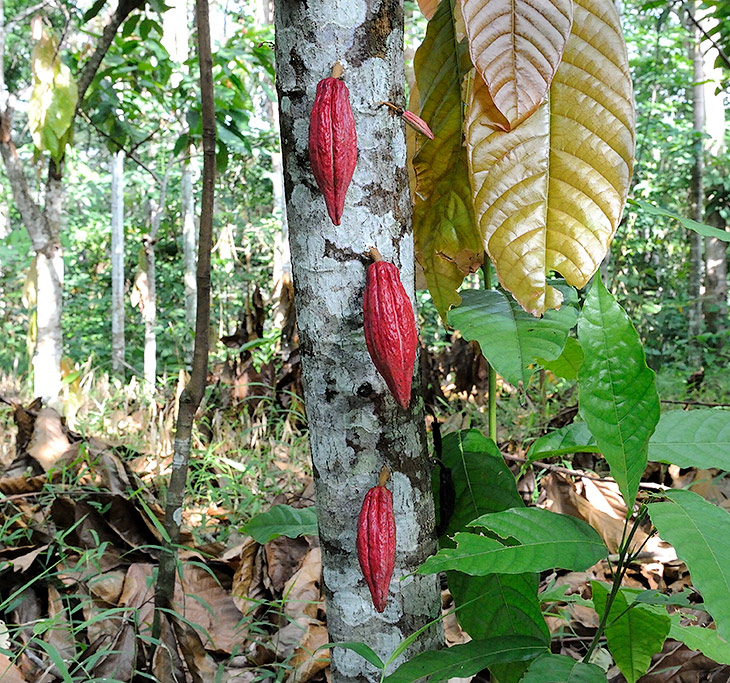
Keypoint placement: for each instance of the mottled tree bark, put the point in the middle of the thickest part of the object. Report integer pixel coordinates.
(355, 425)
(118, 261)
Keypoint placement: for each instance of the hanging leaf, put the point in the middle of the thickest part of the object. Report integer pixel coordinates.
(482, 481)
(699, 530)
(562, 669)
(499, 605)
(568, 363)
(703, 639)
(693, 438)
(428, 7)
(465, 660)
(573, 438)
(618, 398)
(549, 194)
(700, 228)
(448, 244)
(516, 47)
(53, 101)
(545, 540)
(282, 520)
(511, 339)
(634, 635)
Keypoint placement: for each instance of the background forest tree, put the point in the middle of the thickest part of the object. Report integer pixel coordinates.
(131, 190)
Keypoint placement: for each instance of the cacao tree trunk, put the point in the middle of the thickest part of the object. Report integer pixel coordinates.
(118, 261)
(355, 425)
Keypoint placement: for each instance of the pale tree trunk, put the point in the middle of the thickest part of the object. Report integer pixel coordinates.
(355, 425)
(697, 202)
(175, 38)
(44, 224)
(149, 293)
(190, 242)
(281, 272)
(715, 299)
(118, 261)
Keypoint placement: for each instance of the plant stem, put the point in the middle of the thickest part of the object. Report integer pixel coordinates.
(618, 575)
(492, 399)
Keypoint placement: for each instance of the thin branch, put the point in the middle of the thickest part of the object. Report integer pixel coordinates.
(577, 473)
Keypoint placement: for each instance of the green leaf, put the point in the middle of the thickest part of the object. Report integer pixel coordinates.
(634, 634)
(701, 228)
(692, 438)
(282, 520)
(618, 398)
(482, 481)
(546, 540)
(447, 242)
(499, 605)
(654, 597)
(573, 438)
(567, 364)
(93, 10)
(699, 532)
(365, 651)
(706, 640)
(465, 660)
(510, 338)
(562, 669)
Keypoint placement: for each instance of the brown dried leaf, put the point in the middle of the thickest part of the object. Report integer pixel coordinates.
(60, 636)
(9, 673)
(201, 666)
(49, 441)
(203, 602)
(306, 661)
(283, 556)
(167, 665)
(303, 588)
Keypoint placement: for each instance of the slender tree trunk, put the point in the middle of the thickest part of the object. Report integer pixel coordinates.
(697, 201)
(192, 395)
(118, 262)
(355, 425)
(49, 295)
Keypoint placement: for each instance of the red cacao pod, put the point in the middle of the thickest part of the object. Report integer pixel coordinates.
(332, 142)
(390, 328)
(376, 540)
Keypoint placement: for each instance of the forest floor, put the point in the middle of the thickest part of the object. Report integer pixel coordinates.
(81, 530)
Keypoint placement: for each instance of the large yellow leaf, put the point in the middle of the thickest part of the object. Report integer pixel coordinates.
(549, 194)
(516, 46)
(52, 103)
(448, 243)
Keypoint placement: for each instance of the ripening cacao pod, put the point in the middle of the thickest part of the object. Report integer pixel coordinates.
(376, 540)
(332, 142)
(390, 327)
